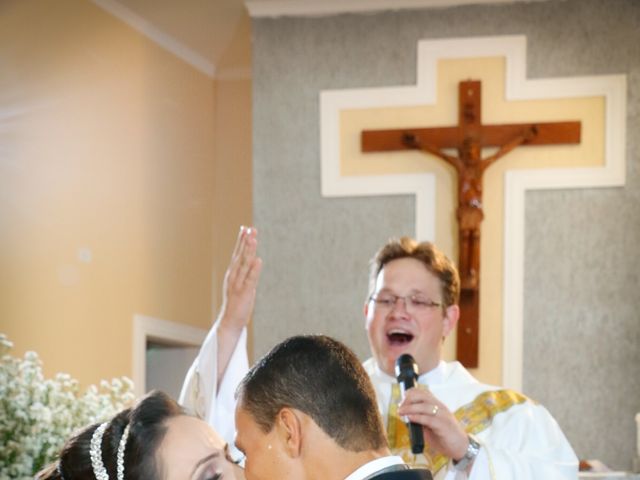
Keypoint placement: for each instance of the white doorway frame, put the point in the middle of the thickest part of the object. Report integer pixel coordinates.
(164, 331)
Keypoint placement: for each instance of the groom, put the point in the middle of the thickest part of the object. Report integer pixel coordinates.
(307, 410)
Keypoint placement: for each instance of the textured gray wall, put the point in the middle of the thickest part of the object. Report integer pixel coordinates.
(582, 320)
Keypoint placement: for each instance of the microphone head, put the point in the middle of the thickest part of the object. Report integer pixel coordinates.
(406, 367)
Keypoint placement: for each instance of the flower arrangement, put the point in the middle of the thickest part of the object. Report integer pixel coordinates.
(37, 415)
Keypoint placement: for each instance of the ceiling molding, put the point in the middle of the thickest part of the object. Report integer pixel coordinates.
(159, 37)
(277, 8)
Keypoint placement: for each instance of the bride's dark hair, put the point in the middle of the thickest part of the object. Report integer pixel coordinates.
(147, 422)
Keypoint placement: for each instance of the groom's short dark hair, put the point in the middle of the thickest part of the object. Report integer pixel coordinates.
(322, 378)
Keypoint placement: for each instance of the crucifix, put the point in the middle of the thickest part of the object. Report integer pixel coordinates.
(469, 137)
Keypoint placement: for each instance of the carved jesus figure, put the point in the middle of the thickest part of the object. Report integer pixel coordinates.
(470, 167)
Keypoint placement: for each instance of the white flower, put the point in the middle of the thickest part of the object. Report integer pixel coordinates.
(37, 415)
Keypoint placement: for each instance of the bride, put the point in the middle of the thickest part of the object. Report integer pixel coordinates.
(153, 440)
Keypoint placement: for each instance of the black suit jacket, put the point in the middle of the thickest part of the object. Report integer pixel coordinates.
(413, 474)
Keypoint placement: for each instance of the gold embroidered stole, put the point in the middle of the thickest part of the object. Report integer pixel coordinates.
(474, 418)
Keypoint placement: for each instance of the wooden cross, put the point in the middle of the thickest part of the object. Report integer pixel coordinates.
(469, 137)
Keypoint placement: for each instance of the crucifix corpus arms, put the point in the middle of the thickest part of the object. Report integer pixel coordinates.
(469, 137)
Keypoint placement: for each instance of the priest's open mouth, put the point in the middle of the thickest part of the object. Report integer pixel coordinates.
(399, 337)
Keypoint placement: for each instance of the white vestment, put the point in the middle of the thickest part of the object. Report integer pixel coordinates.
(522, 443)
(202, 397)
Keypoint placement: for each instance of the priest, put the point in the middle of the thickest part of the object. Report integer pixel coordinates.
(471, 430)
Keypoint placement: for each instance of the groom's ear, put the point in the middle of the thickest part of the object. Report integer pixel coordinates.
(290, 430)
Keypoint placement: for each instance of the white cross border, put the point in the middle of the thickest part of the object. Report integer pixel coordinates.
(514, 48)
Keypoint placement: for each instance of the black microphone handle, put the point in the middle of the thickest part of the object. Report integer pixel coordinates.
(416, 437)
(415, 430)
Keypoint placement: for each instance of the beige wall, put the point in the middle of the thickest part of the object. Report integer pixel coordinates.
(109, 157)
(233, 132)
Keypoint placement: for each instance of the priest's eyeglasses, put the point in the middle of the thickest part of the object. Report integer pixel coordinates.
(416, 303)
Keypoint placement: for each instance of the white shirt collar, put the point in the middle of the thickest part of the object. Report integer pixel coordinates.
(435, 376)
(374, 466)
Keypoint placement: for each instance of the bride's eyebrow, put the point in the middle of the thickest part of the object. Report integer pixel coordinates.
(203, 461)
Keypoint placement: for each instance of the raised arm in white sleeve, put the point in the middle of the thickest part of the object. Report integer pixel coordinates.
(209, 387)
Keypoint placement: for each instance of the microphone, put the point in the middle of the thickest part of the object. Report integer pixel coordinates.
(407, 375)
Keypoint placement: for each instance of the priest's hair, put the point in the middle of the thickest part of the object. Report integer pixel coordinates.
(428, 254)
